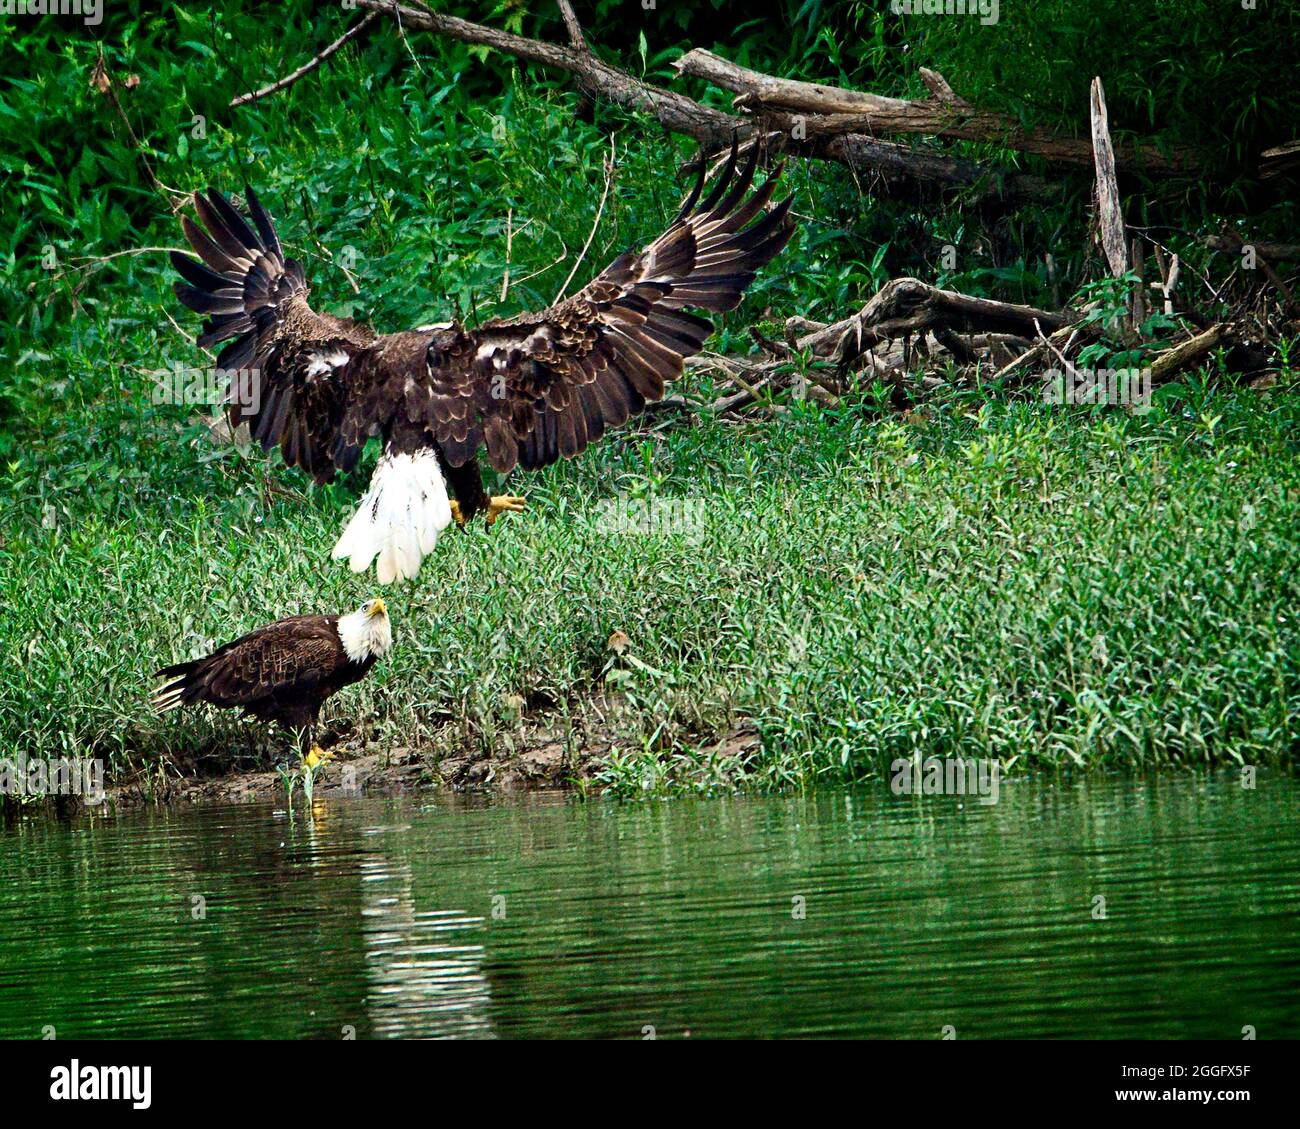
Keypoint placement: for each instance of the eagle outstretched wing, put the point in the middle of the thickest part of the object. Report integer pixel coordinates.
(538, 387)
(529, 389)
(288, 365)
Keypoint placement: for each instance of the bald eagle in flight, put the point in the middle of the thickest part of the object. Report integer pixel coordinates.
(285, 671)
(529, 389)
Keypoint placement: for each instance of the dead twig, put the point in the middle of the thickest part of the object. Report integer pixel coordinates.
(102, 81)
(309, 66)
(564, 254)
(505, 275)
(85, 264)
(1061, 352)
(600, 211)
(1019, 368)
(401, 31)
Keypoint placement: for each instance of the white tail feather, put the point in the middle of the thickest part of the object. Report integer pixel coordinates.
(399, 519)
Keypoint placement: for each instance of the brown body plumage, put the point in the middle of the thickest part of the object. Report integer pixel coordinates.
(528, 390)
(285, 671)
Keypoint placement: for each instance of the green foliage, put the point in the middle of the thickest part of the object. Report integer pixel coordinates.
(1183, 72)
(1003, 580)
(991, 581)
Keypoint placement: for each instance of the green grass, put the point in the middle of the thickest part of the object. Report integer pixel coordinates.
(1054, 588)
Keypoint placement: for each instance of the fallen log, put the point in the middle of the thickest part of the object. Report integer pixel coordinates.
(1279, 161)
(1274, 252)
(834, 110)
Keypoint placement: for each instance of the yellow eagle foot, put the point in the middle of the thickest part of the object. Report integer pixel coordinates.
(456, 515)
(500, 504)
(316, 757)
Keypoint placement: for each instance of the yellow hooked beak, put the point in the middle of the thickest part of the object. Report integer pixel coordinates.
(378, 607)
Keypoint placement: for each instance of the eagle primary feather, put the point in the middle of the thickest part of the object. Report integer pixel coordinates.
(528, 390)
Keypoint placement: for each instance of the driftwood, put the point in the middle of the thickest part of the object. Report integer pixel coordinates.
(1109, 215)
(908, 306)
(1173, 360)
(834, 110)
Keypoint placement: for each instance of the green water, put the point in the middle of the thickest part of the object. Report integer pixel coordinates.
(551, 917)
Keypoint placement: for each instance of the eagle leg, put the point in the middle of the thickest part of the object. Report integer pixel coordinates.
(500, 504)
(456, 515)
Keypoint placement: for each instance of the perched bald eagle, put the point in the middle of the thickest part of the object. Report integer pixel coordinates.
(284, 671)
(530, 389)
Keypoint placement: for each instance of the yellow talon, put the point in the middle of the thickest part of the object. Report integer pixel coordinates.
(316, 757)
(500, 504)
(456, 515)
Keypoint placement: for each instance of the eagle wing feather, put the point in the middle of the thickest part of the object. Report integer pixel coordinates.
(538, 387)
(290, 655)
(291, 368)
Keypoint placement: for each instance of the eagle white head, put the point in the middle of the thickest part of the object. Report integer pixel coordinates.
(366, 632)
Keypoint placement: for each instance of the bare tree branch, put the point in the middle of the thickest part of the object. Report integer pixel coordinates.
(834, 110)
(571, 25)
(899, 168)
(309, 66)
